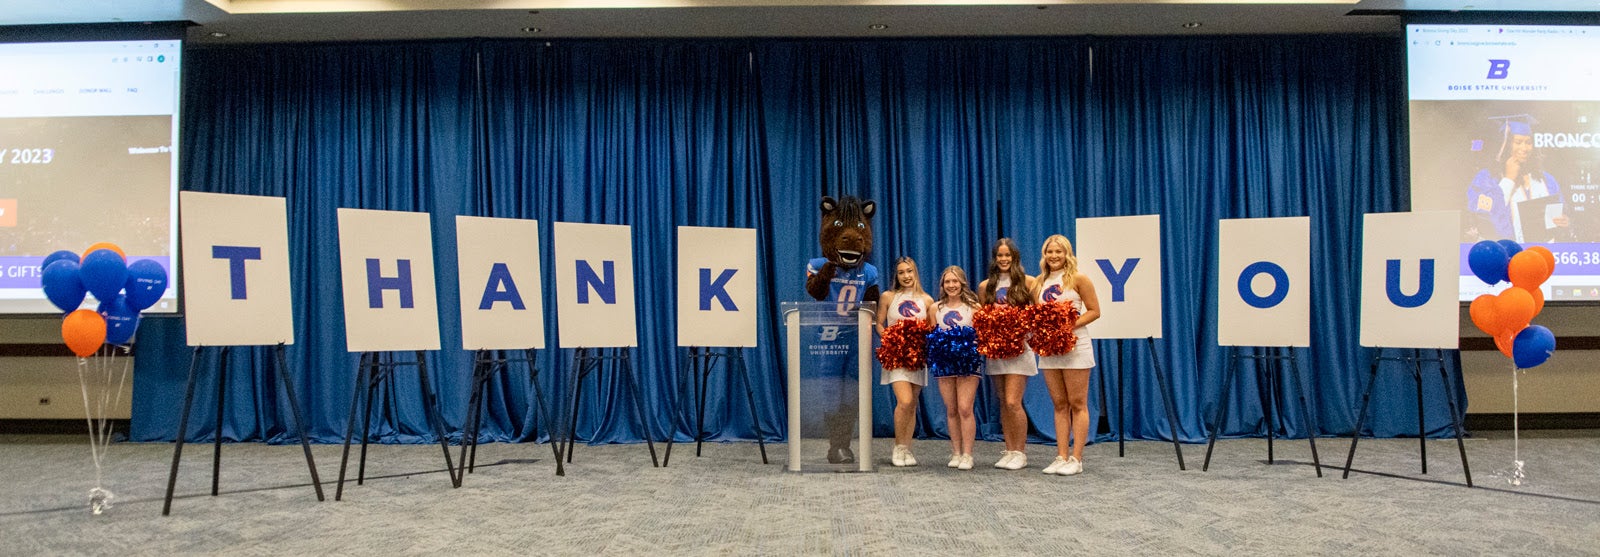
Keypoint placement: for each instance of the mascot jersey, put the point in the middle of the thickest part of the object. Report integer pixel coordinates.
(848, 283)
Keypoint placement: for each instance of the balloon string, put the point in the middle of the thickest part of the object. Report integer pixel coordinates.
(94, 442)
(122, 381)
(1516, 439)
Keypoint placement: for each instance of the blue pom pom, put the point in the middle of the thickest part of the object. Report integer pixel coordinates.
(954, 352)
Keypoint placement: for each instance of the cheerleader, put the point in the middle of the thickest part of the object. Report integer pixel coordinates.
(907, 302)
(1067, 374)
(953, 359)
(1007, 284)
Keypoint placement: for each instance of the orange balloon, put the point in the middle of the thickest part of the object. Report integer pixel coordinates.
(84, 331)
(1549, 259)
(1527, 270)
(1505, 343)
(1482, 312)
(1513, 308)
(103, 245)
(1538, 300)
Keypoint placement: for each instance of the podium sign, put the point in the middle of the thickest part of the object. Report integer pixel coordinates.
(829, 384)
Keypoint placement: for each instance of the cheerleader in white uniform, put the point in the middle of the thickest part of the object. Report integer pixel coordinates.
(907, 301)
(958, 386)
(1067, 375)
(1009, 284)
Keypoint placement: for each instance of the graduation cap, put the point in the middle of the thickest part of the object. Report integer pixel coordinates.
(1519, 124)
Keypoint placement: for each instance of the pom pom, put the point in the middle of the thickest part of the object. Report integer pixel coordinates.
(1002, 330)
(1052, 328)
(954, 352)
(904, 345)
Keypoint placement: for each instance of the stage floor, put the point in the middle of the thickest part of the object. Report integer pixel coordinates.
(727, 502)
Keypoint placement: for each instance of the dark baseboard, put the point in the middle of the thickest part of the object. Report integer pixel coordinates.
(1534, 420)
(58, 427)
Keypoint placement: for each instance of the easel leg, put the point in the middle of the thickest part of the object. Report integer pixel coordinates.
(1102, 425)
(703, 374)
(1361, 415)
(1167, 399)
(431, 406)
(222, 389)
(1455, 418)
(378, 375)
(469, 437)
(1222, 406)
(677, 403)
(350, 427)
(1122, 405)
(1267, 372)
(579, 362)
(183, 429)
(750, 397)
(299, 424)
(1422, 430)
(626, 366)
(1311, 416)
(544, 413)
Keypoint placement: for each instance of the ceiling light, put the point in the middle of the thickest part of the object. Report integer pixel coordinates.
(1191, 25)
(531, 30)
(877, 27)
(218, 35)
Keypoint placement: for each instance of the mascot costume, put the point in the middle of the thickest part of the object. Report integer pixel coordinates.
(842, 276)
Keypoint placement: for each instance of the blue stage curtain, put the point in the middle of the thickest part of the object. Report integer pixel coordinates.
(959, 141)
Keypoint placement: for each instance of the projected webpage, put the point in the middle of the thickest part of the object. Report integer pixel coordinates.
(1505, 127)
(88, 153)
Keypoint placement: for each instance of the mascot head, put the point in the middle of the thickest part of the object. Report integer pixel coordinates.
(846, 230)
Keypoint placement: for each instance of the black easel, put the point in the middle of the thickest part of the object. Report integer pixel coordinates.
(589, 361)
(1167, 400)
(697, 369)
(216, 455)
(487, 364)
(374, 369)
(1269, 402)
(1415, 359)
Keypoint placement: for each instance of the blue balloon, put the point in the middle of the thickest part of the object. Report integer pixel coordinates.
(121, 320)
(60, 255)
(104, 274)
(147, 281)
(1512, 248)
(1533, 346)
(62, 284)
(1488, 261)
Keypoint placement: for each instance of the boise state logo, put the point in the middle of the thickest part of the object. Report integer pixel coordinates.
(1000, 293)
(1052, 293)
(908, 308)
(952, 319)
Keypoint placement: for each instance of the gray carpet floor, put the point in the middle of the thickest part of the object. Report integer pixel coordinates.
(726, 502)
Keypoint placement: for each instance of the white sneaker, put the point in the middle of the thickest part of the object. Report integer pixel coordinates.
(955, 460)
(907, 458)
(1005, 460)
(966, 462)
(1055, 466)
(1072, 467)
(1019, 460)
(898, 457)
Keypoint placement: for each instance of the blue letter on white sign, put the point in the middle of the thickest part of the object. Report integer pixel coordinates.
(492, 292)
(1280, 284)
(717, 289)
(1391, 276)
(1117, 278)
(606, 288)
(377, 283)
(236, 256)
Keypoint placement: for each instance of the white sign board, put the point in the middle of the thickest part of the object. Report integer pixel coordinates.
(1264, 282)
(716, 286)
(1122, 257)
(502, 306)
(1409, 286)
(594, 285)
(386, 258)
(236, 270)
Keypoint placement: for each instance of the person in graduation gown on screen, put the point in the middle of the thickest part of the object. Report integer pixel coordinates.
(1517, 176)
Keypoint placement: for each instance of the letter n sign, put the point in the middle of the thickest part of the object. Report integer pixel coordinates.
(595, 285)
(716, 286)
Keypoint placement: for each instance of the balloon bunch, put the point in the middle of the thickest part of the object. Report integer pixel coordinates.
(123, 290)
(1507, 316)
